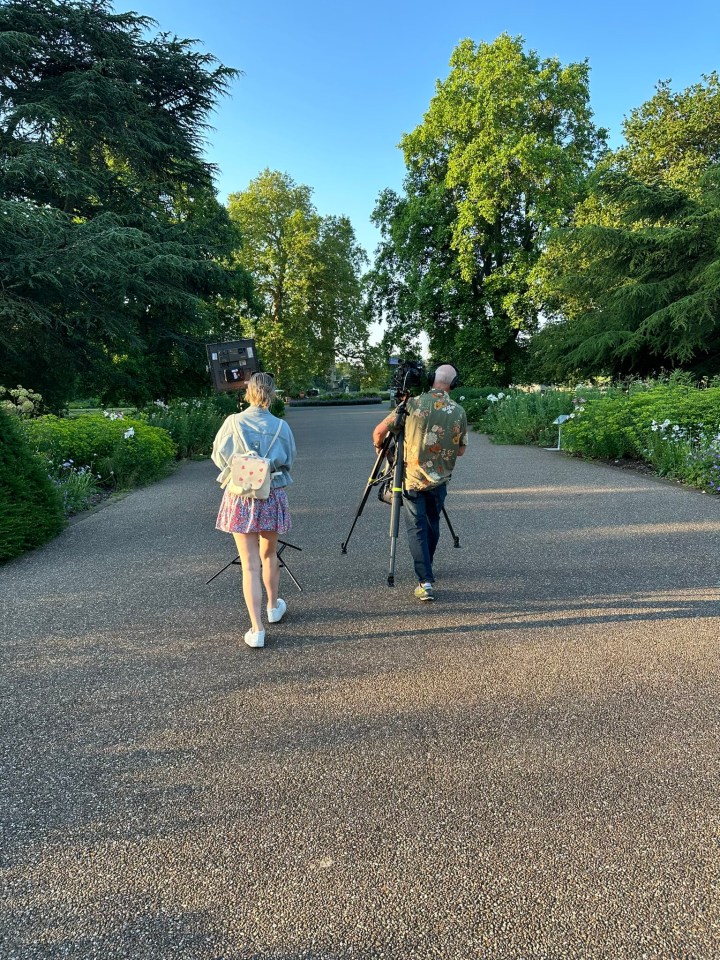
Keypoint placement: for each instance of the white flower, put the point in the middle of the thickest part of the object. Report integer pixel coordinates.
(130, 432)
(501, 396)
(160, 403)
(665, 424)
(462, 398)
(492, 398)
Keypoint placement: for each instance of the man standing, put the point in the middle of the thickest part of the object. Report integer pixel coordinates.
(435, 436)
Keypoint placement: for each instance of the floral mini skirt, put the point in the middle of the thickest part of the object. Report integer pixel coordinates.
(248, 515)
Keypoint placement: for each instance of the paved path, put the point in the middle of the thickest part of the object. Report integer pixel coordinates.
(526, 769)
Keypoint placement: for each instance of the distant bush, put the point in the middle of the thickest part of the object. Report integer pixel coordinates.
(30, 506)
(86, 403)
(277, 407)
(124, 452)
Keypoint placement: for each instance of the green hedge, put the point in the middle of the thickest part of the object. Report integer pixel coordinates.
(342, 401)
(619, 425)
(30, 506)
(125, 452)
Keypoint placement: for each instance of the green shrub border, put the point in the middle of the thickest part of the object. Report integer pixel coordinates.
(339, 402)
(30, 506)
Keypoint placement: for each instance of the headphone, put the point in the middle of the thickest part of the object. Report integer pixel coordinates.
(451, 386)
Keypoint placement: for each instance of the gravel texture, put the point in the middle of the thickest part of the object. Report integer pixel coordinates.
(526, 769)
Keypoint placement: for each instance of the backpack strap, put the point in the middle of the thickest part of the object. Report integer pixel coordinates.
(277, 434)
(238, 436)
(241, 438)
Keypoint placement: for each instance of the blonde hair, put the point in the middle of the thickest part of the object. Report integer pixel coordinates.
(260, 391)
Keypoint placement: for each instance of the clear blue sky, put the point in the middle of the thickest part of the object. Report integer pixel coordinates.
(330, 87)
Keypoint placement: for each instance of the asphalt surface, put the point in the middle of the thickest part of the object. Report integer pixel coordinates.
(527, 768)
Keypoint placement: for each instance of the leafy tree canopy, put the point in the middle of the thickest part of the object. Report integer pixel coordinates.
(111, 225)
(633, 284)
(500, 159)
(307, 272)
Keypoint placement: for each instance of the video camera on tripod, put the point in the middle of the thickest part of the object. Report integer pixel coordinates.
(408, 378)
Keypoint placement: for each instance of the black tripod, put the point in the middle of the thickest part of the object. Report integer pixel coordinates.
(282, 545)
(395, 466)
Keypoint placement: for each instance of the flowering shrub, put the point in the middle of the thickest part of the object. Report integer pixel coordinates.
(619, 424)
(76, 485)
(21, 402)
(123, 454)
(191, 423)
(689, 455)
(526, 416)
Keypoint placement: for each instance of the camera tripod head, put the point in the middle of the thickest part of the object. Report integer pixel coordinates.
(401, 401)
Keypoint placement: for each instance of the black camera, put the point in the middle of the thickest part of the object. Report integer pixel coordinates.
(409, 377)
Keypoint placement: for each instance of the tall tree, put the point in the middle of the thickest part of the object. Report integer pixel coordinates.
(632, 283)
(111, 226)
(500, 159)
(307, 275)
(336, 299)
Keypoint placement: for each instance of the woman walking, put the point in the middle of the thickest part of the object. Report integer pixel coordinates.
(255, 524)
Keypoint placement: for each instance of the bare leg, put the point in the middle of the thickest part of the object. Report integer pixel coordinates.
(270, 565)
(247, 545)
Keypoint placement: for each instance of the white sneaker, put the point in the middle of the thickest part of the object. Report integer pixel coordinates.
(255, 638)
(275, 614)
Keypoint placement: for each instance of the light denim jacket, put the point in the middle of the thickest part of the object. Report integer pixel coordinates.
(257, 426)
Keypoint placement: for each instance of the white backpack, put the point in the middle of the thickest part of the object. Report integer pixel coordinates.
(250, 474)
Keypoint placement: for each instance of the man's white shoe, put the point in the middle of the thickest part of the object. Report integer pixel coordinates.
(275, 614)
(255, 638)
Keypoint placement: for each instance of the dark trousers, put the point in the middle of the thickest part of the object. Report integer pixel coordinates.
(423, 509)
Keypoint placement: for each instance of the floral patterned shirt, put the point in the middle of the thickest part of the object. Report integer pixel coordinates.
(435, 429)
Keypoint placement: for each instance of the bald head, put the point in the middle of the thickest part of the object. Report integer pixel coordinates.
(444, 376)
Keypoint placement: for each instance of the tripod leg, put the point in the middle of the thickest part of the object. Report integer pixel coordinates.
(284, 566)
(371, 481)
(234, 560)
(456, 539)
(396, 502)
